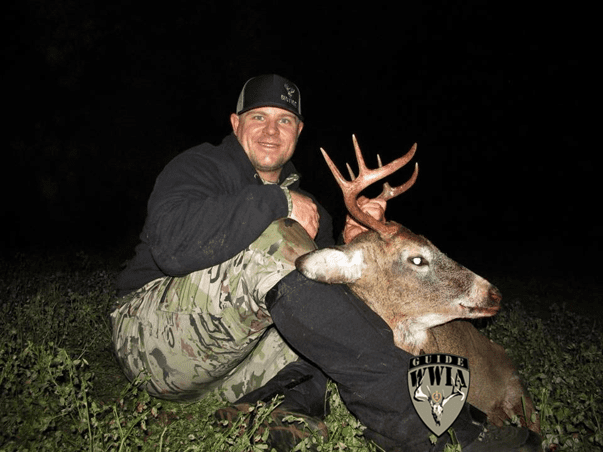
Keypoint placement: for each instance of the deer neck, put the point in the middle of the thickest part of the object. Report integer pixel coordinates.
(412, 335)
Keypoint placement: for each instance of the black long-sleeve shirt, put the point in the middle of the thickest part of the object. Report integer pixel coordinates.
(208, 204)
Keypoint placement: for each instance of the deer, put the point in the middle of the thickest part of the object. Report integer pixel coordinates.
(424, 296)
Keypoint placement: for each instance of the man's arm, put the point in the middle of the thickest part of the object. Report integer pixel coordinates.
(324, 237)
(199, 217)
(305, 212)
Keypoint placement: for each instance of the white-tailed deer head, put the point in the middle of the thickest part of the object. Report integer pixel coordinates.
(402, 276)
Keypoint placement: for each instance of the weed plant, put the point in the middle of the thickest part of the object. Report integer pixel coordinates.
(61, 390)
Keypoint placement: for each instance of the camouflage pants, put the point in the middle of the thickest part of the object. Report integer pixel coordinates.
(210, 330)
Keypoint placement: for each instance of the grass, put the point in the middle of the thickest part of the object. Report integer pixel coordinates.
(61, 389)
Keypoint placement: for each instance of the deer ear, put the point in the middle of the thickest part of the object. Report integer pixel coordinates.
(331, 265)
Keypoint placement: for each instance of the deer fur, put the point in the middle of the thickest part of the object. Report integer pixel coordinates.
(496, 387)
(419, 292)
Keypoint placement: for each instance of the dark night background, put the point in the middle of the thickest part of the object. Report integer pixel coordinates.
(99, 96)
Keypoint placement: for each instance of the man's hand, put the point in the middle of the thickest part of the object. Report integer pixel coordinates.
(374, 207)
(305, 213)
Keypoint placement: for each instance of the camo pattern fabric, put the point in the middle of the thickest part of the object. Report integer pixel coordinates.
(210, 330)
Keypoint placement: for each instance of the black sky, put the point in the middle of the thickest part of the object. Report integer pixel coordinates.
(497, 97)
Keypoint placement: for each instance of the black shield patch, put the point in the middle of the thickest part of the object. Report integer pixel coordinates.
(438, 385)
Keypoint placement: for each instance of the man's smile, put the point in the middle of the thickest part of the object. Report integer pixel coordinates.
(269, 144)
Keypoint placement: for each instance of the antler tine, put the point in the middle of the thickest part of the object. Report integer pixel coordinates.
(352, 176)
(388, 191)
(366, 177)
(387, 188)
(359, 158)
(371, 176)
(336, 174)
(350, 192)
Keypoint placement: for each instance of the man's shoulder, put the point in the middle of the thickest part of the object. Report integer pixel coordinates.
(209, 149)
(207, 153)
(209, 162)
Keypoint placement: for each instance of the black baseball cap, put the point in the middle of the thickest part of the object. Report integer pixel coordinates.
(270, 90)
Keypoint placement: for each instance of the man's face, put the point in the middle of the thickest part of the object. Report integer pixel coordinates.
(268, 135)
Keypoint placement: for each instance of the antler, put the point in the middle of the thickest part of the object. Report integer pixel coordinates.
(351, 189)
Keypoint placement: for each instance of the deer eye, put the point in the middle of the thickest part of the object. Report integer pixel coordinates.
(418, 261)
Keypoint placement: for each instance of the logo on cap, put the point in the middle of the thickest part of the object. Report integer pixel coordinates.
(289, 97)
(290, 91)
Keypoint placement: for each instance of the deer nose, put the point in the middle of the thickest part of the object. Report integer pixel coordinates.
(494, 294)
